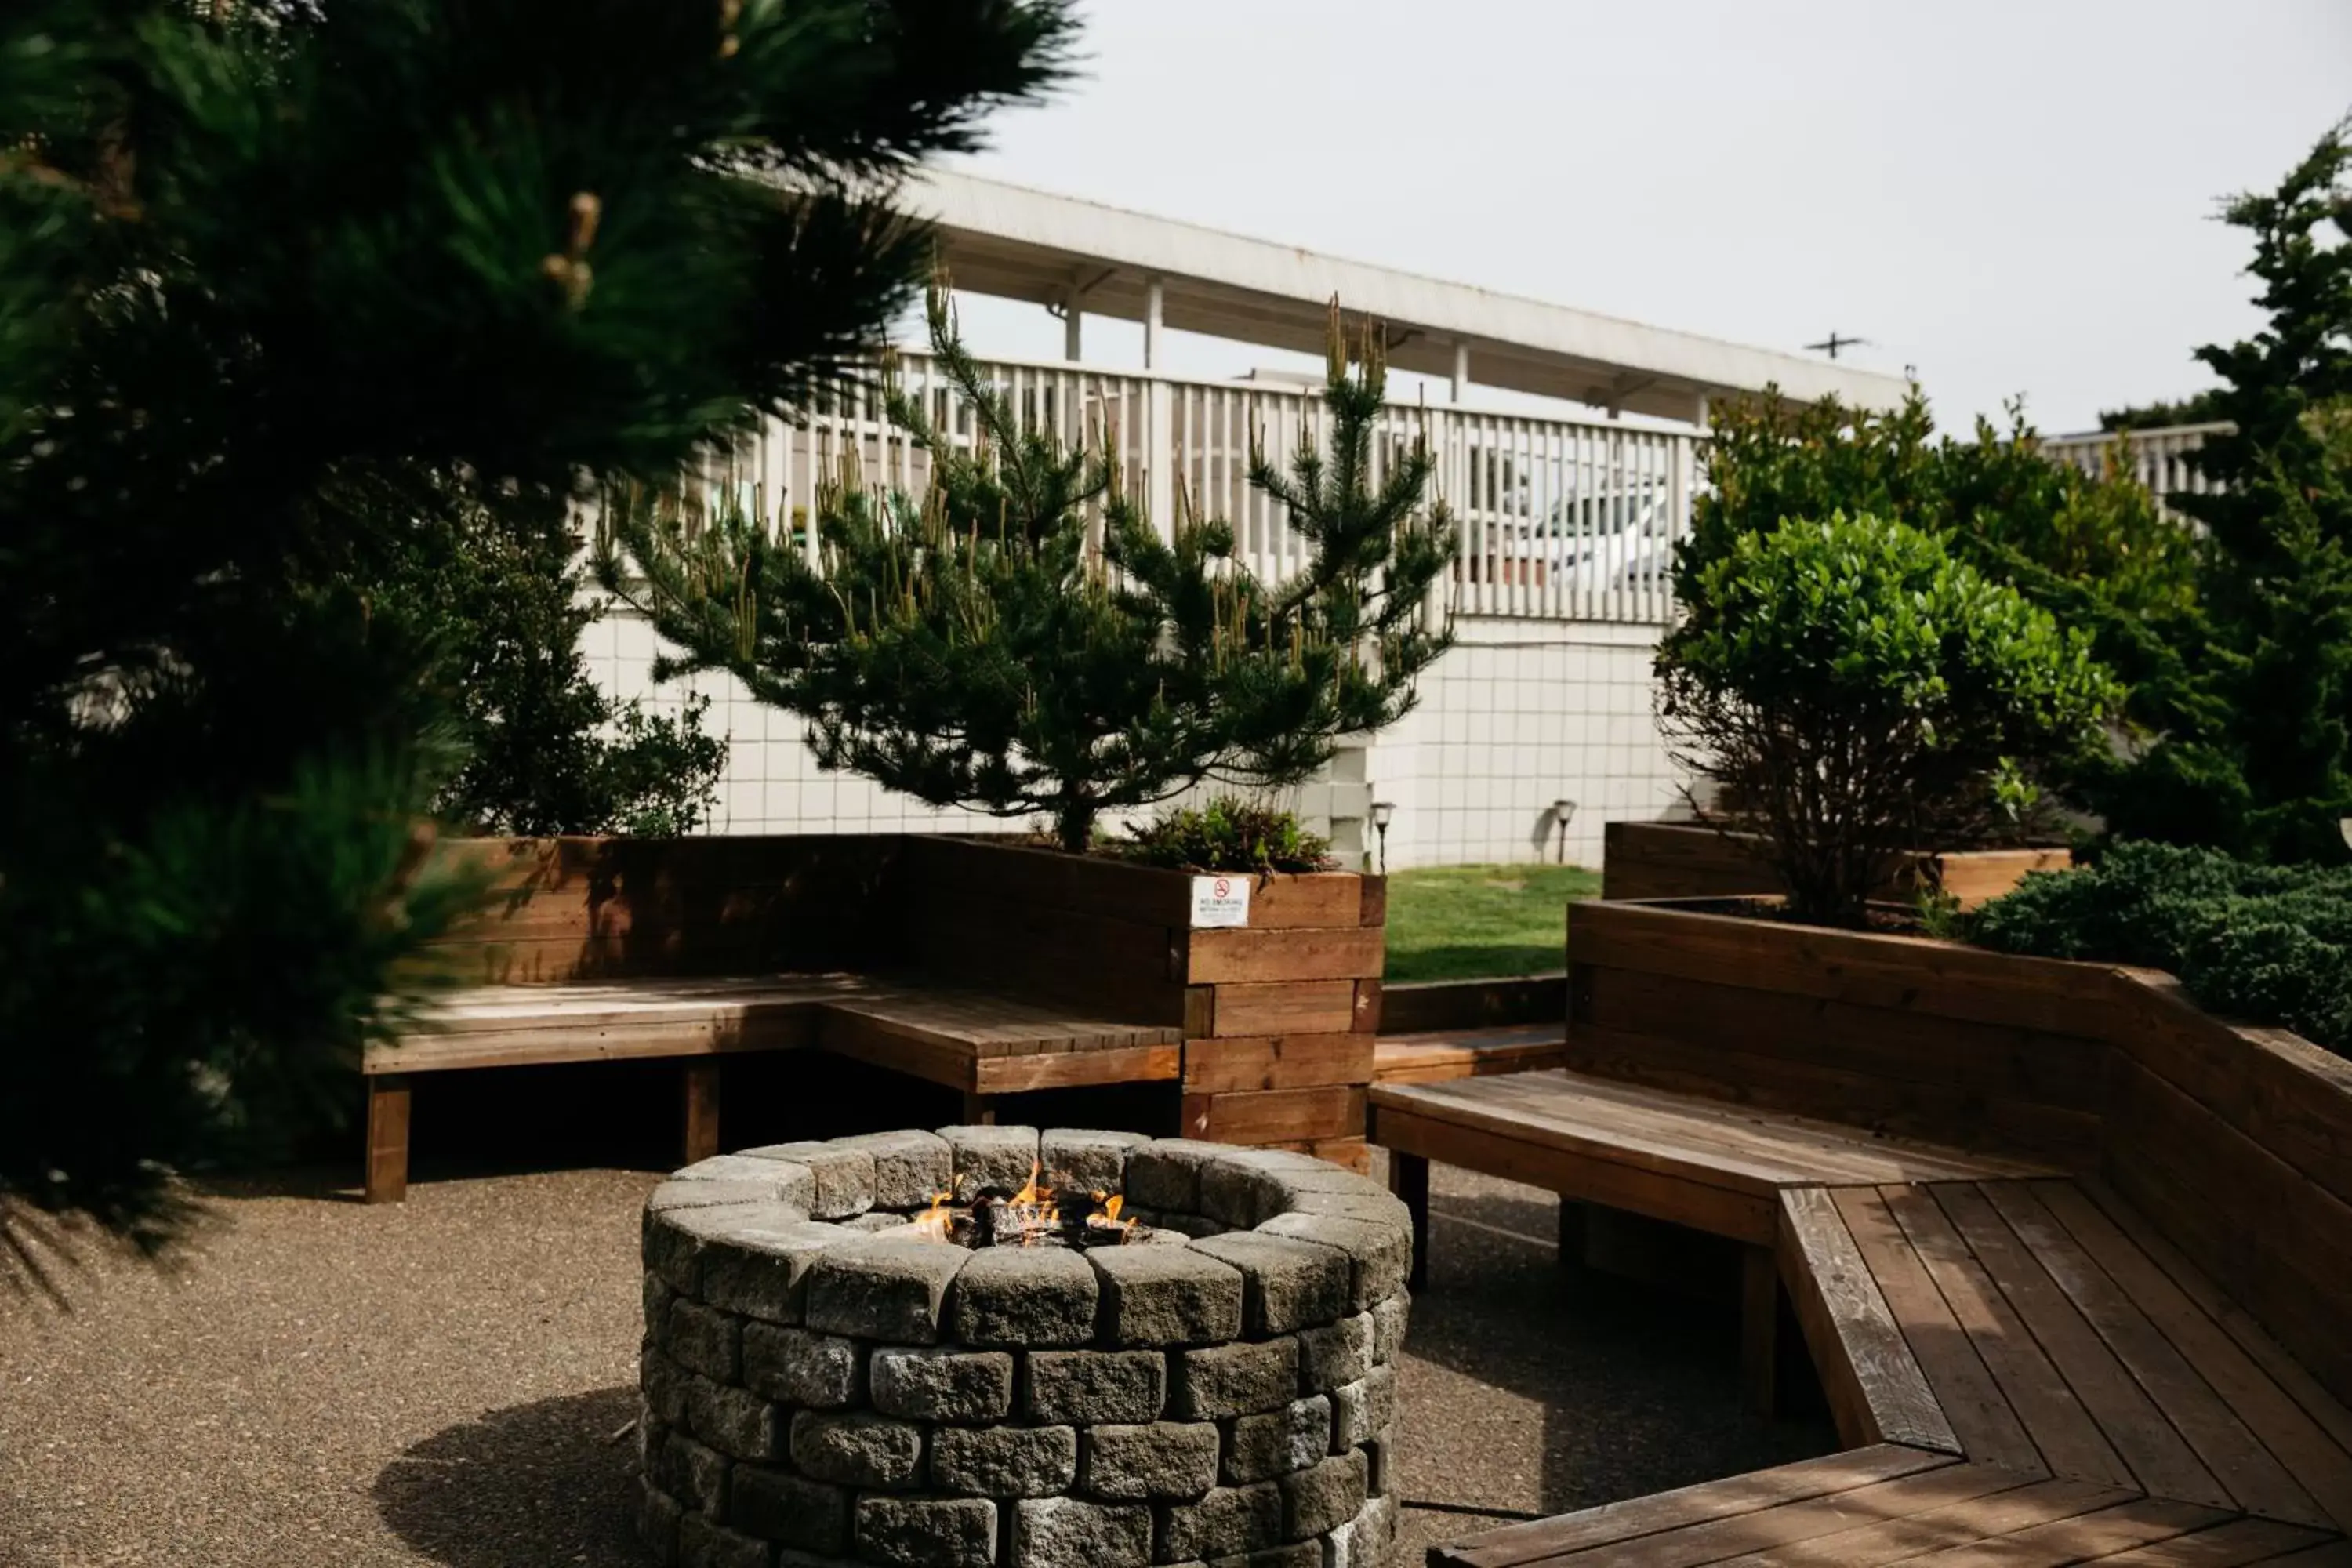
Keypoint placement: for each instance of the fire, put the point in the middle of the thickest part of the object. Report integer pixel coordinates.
(1032, 1213)
(934, 1224)
(1030, 1217)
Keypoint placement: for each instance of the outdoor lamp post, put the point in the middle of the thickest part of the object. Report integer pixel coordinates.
(1381, 811)
(1561, 810)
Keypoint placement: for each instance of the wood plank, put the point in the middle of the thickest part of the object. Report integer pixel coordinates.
(1676, 861)
(2282, 1242)
(2138, 1523)
(2070, 1441)
(1709, 1069)
(2334, 1555)
(1988, 1061)
(1898, 972)
(1896, 1540)
(932, 1060)
(2160, 1461)
(386, 1179)
(1444, 1054)
(1778, 1528)
(1875, 1383)
(1556, 1118)
(1070, 1070)
(2275, 1397)
(1721, 1211)
(2249, 1474)
(1979, 1414)
(1308, 952)
(1277, 1061)
(1370, 1005)
(1303, 1007)
(2279, 1090)
(1372, 900)
(1286, 1115)
(1125, 967)
(760, 1030)
(1539, 1540)
(2242, 1541)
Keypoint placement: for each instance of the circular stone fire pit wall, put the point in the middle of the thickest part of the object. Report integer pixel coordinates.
(822, 1386)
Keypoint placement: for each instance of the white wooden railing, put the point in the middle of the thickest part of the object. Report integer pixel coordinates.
(1559, 519)
(2157, 458)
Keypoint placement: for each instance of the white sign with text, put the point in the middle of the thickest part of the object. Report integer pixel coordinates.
(1219, 901)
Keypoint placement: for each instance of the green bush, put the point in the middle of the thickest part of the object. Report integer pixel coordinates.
(1860, 693)
(2268, 944)
(1228, 834)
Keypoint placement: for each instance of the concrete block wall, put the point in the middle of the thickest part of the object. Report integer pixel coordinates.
(1519, 714)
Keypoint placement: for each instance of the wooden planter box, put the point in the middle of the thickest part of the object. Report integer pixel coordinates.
(1279, 1016)
(2236, 1140)
(1680, 860)
(581, 908)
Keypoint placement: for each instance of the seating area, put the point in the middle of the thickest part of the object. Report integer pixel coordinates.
(2026, 1370)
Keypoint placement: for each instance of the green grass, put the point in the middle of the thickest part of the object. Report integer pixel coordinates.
(1476, 923)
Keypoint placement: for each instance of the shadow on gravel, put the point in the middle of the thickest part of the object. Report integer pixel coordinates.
(536, 1486)
(1639, 1389)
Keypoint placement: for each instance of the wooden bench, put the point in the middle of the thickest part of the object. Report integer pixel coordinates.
(2027, 1372)
(982, 1046)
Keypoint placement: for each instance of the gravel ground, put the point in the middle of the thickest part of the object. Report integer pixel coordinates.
(448, 1382)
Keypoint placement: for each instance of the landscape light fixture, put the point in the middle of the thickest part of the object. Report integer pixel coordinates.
(1381, 811)
(2344, 826)
(1561, 810)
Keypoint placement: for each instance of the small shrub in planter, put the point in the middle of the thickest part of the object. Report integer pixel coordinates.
(1860, 693)
(1228, 834)
(2270, 944)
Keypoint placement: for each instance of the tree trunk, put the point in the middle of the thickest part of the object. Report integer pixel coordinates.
(1073, 824)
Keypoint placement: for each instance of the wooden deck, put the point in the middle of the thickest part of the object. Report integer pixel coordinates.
(2027, 1372)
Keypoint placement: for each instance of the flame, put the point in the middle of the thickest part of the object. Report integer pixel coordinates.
(933, 1222)
(1031, 1212)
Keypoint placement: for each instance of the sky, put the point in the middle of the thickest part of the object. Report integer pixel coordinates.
(2011, 198)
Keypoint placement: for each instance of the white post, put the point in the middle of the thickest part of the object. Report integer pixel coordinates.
(1461, 371)
(1074, 317)
(1160, 464)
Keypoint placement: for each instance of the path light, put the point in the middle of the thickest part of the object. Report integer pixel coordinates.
(2344, 826)
(1561, 810)
(1381, 811)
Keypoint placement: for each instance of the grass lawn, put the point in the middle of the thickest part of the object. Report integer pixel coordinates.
(1464, 922)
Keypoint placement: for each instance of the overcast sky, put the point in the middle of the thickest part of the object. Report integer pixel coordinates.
(2009, 197)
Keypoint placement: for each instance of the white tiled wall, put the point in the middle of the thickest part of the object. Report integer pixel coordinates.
(1519, 714)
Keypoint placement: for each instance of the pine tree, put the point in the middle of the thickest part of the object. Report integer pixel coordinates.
(1022, 640)
(269, 268)
(2255, 699)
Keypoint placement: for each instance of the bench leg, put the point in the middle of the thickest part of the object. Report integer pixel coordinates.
(1571, 1233)
(979, 1110)
(1759, 1317)
(698, 1110)
(1408, 1180)
(386, 1177)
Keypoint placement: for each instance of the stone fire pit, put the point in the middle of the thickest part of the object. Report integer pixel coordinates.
(832, 1375)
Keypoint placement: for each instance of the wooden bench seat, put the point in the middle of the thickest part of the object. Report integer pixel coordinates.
(1437, 1055)
(2028, 1374)
(980, 1045)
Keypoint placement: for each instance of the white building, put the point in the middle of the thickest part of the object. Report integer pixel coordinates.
(1568, 512)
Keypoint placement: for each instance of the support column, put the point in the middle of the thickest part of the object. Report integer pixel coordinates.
(1461, 371)
(1408, 1180)
(1759, 1318)
(387, 1138)
(1159, 435)
(1074, 317)
(698, 1109)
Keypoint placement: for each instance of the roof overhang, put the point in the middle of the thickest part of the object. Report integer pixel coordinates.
(1022, 244)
